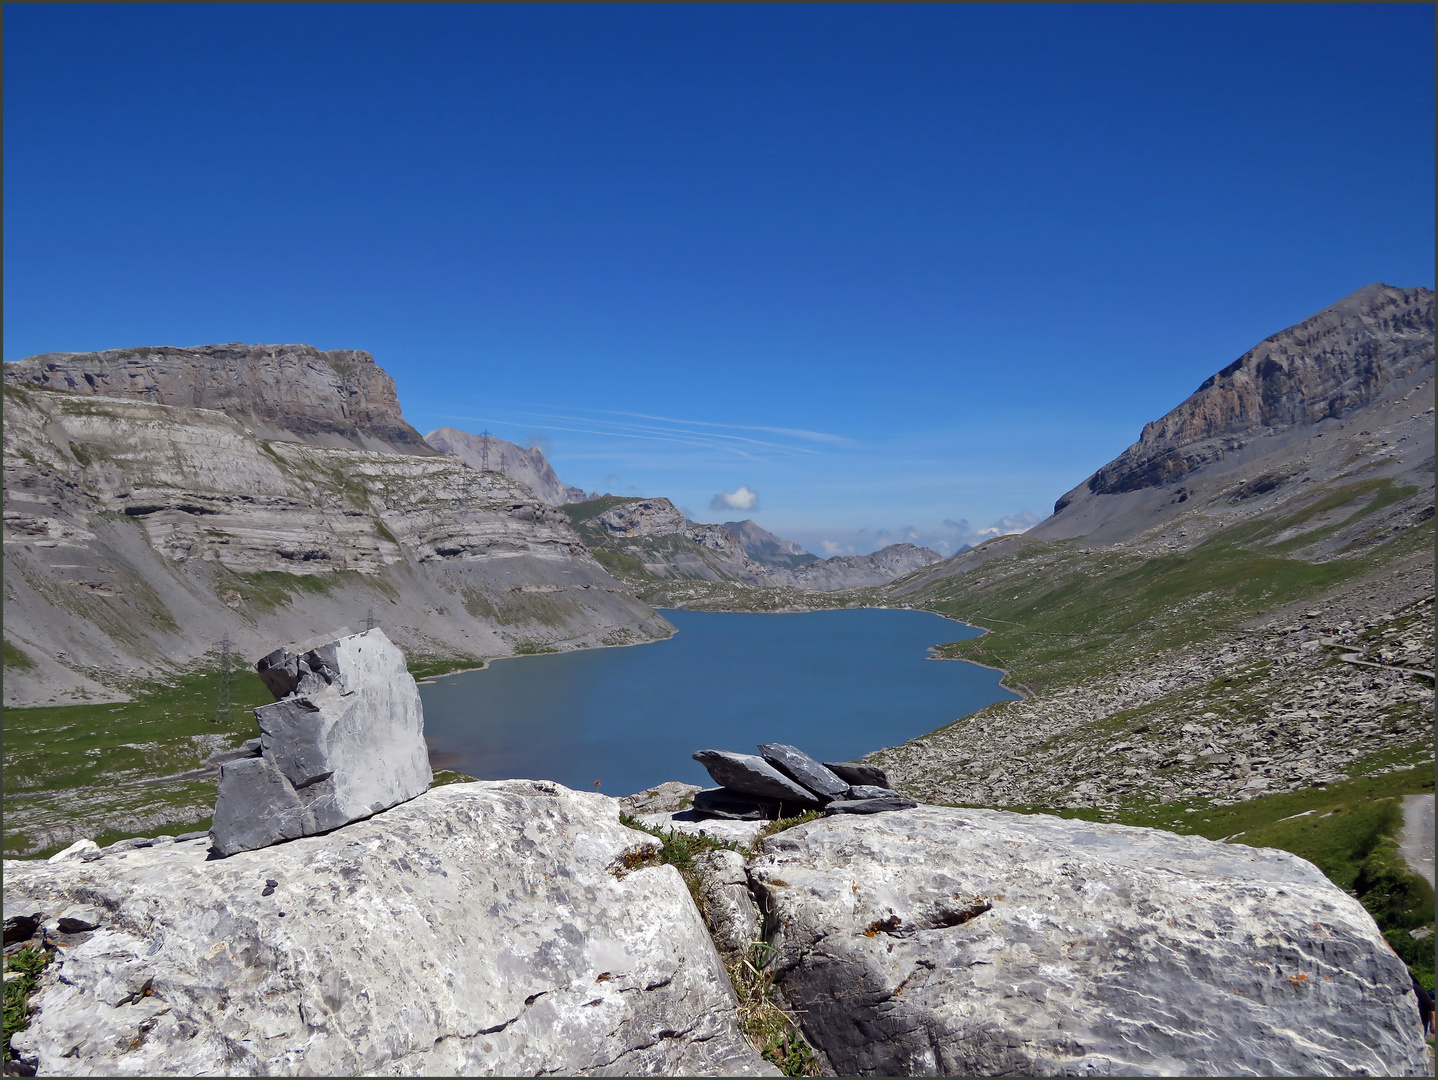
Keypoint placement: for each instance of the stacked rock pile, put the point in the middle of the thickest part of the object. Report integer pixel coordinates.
(785, 781)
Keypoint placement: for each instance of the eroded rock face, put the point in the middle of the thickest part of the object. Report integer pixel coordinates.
(1325, 367)
(344, 741)
(480, 929)
(336, 398)
(648, 517)
(938, 941)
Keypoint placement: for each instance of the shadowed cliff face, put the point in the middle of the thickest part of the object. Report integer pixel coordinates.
(339, 398)
(1339, 360)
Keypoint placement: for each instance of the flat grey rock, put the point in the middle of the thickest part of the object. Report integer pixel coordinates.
(479, 930)
(723, 803)
(346, 743)
(748, 774)
(804, 770)
(856, 772)
(869, 806)
(868, 791)
(957, 942)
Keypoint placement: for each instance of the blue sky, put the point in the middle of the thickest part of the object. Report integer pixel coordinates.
(895, 269)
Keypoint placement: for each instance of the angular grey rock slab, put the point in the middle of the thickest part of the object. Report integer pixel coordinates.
(347, 742)
(480, 929)
(856, 772)
(804, 770)
(974, 942)
(868, 806)
(734, 920)
(751, 775)
(723, 803)
(869, 791)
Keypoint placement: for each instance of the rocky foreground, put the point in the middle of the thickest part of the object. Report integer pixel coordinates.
(497, 929)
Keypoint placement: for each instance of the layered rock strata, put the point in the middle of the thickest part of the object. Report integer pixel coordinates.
(480, 929)
(136, 535)
(344, 740)
(336, 398)
(1253, 427)
(948, 942)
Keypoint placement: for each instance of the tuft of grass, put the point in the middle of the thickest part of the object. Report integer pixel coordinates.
(28, 963)
(765, 1022)
(768, 1025)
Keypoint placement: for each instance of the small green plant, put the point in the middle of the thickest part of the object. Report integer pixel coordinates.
(28, 963)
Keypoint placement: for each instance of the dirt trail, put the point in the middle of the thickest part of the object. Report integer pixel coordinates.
(1416, 839)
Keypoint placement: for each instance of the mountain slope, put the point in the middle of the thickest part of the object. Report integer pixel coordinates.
(137, 534)
(649, 544)
(763, 546)
(1182, 642)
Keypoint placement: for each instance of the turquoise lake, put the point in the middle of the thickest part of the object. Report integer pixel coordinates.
(837, 684)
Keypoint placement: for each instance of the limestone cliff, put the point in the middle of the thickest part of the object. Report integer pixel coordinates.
(339, 398)
(1254, 427)
(137, 534)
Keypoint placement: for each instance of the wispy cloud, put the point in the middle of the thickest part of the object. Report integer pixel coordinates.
(699, 434)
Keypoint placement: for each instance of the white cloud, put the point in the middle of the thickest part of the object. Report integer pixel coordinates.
(831, 548)
(741, 499)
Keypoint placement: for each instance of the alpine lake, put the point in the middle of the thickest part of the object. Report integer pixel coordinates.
(836, 684)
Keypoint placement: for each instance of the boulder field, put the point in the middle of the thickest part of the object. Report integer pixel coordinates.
(497, 928)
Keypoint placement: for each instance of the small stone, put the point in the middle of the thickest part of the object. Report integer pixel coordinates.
(78, 920)
(804, 770)
(867, 791)
(21, 927)
(74, 851)
(856, 772)
(868, 806)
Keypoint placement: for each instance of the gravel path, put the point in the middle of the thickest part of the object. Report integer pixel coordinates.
(1416, 839)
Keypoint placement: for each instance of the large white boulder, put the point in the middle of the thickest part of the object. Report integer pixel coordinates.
(938, 941)
(345, 740)
(480, 929)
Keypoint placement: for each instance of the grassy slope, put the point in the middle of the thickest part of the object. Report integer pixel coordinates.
(96, 757)
(1057, 614)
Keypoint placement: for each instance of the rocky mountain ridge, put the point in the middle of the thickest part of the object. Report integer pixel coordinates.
(651, 541)
(1259, 417)
(340, 398)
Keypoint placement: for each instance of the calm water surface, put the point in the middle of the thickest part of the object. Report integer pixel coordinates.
(838, 684)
